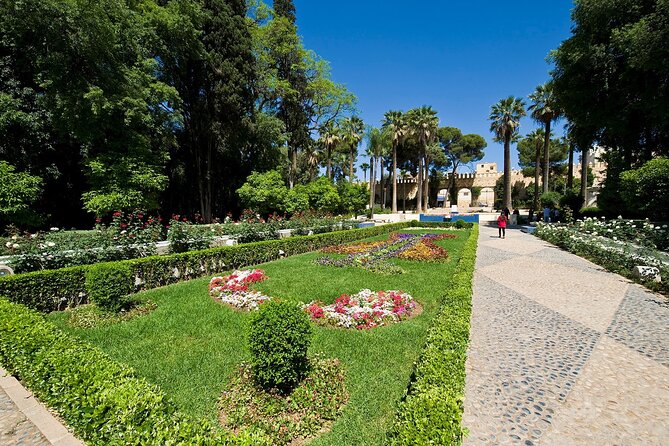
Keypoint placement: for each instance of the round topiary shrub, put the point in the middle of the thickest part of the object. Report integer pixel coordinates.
(108, 284)
(279, 336)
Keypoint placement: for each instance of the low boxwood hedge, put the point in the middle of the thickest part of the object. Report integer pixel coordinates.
(104, 402)
(431, 412)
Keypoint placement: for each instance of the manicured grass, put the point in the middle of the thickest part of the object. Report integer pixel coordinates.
(190, 344)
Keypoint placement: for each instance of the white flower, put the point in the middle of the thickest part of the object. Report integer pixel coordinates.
(123, 232)
(54, 229)
(15, 237)
(8, 244)
(15, 246)
(33, 235)
(50, 244)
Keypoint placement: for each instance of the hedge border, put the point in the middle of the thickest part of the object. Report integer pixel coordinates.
(52, 290)
(104, 402)
(431, 411)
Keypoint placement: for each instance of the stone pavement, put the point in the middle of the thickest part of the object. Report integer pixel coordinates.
(561, 351)
(24, 421)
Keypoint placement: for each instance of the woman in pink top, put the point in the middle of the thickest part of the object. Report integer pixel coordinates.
(501, 224)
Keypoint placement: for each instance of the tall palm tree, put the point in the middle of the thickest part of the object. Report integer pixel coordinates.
(544, 109)
(364, 167)
(352, 132)
(330, 135)
(375, 150)
(423, 122)
(504, 123)
(395, 123)
(537, 139)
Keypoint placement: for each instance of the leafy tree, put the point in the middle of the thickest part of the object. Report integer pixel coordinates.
(264, 192)
(90, 71)
(645, 190)
(353, 197)
(322, 195)
(544, 109)
(505, 119)
(18, 191)
(352, 133)
(423, 123)
(459, 149)
(396, 126)
(610, 79)
(293, 84)
(531, 155)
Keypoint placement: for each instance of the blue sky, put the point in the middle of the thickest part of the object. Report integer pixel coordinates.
(458, 56)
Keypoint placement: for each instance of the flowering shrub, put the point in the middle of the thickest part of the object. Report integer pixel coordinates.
(617, 255)
(427, 250)
(640, 232)
(366, 309)
(234, 289)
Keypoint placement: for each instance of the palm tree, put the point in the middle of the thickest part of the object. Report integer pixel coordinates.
(364, 167)
(423, 122)
(375, 150)
(544, 110)
(505, 120)
(330, 135)
(537, 139)
(395, 123)
(352, 132)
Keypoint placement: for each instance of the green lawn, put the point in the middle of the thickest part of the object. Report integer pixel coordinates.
(190, 344)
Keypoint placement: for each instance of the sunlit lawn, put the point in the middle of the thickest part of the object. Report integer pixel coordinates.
(190, 344)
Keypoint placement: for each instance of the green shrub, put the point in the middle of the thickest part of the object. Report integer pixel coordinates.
(592, 212)
(279, 336)
(550, 199)
(431, 412)
(103, 402)
(108, 284)
(459, 224)
(645, 190)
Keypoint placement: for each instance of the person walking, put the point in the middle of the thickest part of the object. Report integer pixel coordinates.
(501, 224)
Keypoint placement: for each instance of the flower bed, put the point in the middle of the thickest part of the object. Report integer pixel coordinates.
(615, 255)
(234, 289)
(375, 256)
(366, 309)
(640, 232)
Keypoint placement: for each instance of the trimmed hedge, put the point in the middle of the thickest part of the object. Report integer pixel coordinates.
(108, 284)
(52, 290)
(104, 402)
(431, 412)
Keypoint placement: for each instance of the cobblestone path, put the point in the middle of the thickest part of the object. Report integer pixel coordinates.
(561, 351)
(15, 428)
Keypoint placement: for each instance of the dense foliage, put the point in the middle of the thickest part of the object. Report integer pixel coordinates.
(108, 284)
(645, 190)
(279, 336)
(124, 105)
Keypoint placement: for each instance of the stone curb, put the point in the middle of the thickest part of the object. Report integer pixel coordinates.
(52, 429)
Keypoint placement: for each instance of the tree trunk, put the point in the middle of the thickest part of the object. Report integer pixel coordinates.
(350, 169)
(419, 194)
(384, 188)
(372, 185)
(451, 183)
(426, 184)
(570, 171)
(394, 205)
(329, 167)
(547, 141)
(537, 162)
(584, 175)
(507, 171)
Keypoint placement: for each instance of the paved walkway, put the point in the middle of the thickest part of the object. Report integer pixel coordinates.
(562, 352)
(24, 421)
